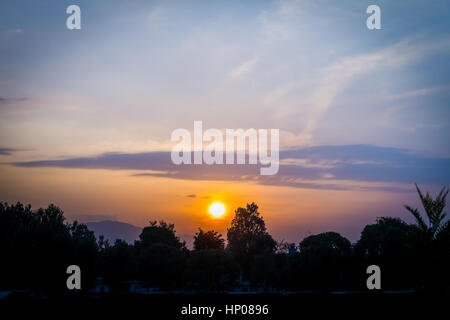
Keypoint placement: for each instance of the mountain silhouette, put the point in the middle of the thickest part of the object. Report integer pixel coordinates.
(113, 230)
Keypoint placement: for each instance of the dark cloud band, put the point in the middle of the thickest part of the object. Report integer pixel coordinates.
(321, 167)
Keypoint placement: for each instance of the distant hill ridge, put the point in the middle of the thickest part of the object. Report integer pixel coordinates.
(113, 230)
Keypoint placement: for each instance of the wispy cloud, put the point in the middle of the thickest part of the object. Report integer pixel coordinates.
(5, 101)
(327, 83)
(155, 14)
(6, 151)
(335, 78)
(243, 68)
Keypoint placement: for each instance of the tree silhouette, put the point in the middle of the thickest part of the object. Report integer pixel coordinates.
(208, 240)
(37, 246)
(248, 234)
(161, 255)
(162, 233)
(324, 260)
(118, 264)
(387, 244)
(211, 269)
(387, 238)
(248, 237)
(430, 242)
(84, 251)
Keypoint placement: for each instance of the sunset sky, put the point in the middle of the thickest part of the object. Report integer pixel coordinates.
(86, 115)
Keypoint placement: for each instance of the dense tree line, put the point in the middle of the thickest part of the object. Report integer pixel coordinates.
(36, 246)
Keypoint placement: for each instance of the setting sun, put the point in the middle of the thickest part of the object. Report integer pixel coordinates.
(217, 209)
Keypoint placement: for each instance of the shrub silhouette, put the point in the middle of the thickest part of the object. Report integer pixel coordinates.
(208, 240)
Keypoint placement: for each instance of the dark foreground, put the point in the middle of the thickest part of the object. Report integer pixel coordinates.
(171, 306)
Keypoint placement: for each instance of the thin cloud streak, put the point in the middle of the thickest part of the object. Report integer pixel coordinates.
(335, 78)
(7, 151)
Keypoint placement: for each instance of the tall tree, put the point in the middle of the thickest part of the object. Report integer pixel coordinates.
(161, 255)
(248, 237)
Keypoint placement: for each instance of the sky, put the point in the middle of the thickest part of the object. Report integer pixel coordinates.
(86, 115)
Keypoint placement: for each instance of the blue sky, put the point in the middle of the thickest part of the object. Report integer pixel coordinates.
(169, 63)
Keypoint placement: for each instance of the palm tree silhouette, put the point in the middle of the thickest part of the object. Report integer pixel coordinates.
(434, 209)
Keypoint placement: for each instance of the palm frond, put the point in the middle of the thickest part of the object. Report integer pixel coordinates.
(428, 205)
(443, 229)
(415, 212)
(440, 202)
(442, 195)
